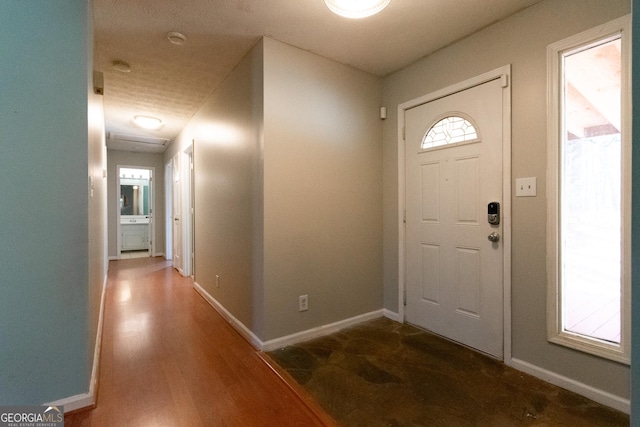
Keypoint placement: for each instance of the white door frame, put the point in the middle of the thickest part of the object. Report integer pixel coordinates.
(187, 210)
(152, 214)
(177, 211)
(168, 210)
(503, 73)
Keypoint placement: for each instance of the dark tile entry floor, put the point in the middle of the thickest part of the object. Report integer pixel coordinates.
(382, 373)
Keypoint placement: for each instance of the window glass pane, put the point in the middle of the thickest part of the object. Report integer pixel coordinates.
(591, 180)
(449, 130)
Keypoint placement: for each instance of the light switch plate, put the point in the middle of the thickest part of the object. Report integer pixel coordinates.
(526, 187)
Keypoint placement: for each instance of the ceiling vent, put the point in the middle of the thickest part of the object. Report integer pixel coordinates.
(135, 139)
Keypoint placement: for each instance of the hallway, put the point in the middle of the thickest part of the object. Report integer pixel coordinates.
(169, 359)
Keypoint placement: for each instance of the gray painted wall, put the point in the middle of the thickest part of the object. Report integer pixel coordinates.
(51, 275)
(322, 190)
(520, 40)
(131, 158)
(288, 161)
(226, 137)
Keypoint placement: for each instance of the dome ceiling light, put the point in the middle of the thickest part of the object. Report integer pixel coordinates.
(147, 122)
(356, 8)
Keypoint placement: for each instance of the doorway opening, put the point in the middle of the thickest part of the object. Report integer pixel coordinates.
(180, 211)
(135, 223)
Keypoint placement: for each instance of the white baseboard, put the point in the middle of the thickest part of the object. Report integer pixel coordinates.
(319, 331)
(597, 395)
(392, 315)
(286, 340)
(85, 400)
(235, 323)
(79, 401)
(113, 258)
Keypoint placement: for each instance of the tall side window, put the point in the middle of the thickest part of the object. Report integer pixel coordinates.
(589, 171)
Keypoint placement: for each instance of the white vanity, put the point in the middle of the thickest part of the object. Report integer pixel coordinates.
(135, 232)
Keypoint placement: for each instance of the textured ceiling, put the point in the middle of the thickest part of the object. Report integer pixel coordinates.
(172, 82)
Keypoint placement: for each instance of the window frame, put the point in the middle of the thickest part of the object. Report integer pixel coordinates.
(555, 332)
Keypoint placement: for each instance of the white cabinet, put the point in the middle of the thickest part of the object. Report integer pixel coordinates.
(135, 233)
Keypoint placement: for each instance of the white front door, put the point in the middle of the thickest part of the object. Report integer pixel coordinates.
(454, 273)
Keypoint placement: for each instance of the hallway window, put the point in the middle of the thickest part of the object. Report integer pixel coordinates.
(589, 194)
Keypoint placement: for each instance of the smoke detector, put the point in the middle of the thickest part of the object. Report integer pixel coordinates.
(177, 38)
(121, 66)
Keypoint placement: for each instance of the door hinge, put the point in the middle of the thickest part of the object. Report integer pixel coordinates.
(404, 216)
(404, 132)
(404, 296)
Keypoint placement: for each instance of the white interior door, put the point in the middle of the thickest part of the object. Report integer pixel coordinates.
(177, 215)
(454, 273)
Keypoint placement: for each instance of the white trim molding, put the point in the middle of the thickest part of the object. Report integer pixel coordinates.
(392, 315)
(319, 331)
(88, 400)
(597, 395)
(74, 403)
(556, 331)
(276, 343)
(235, 323)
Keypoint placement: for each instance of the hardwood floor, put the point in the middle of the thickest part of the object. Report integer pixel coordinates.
(169, 359)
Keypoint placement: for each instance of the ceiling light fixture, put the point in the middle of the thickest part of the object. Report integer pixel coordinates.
(147, 122)
(177, 38)
(121, 66)
(356, 8)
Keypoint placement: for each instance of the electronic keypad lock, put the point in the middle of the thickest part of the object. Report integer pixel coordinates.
(493, 213)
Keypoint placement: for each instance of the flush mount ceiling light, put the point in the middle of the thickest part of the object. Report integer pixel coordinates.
(121, 66)
(147, 122)
(356, 8)
(177, 38)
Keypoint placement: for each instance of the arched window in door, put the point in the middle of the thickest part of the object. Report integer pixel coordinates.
(452, 129)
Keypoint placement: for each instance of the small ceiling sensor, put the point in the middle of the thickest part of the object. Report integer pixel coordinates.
(121, 66)
(177, 38)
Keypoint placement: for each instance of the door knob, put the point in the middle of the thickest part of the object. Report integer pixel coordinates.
(493, 237)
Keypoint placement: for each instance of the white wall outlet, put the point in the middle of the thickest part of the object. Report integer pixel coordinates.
(217, 281)
(303, 303)
(526, 187)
